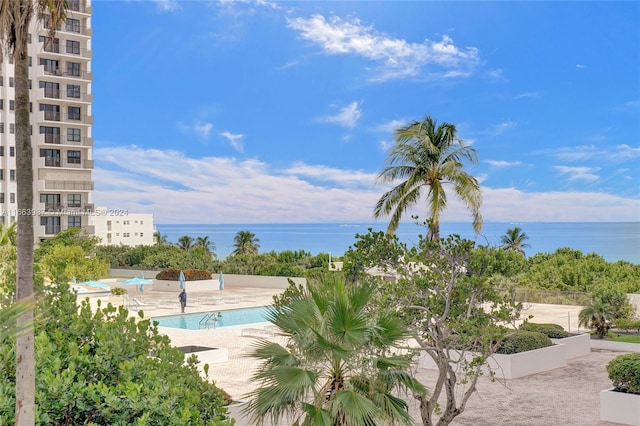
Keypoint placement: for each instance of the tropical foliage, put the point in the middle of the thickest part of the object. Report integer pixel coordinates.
(245, 242)
(337, 367)
(104, 367)
(598, 316)
(449, 304)
(426, 157)
(514, 240)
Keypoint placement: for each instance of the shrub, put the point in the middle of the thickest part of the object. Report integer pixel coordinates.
(522, 341)
(118, 291)
(624, 372)
(627, 324)
(553, 331)
(172, 274)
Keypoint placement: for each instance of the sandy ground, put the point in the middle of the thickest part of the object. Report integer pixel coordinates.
(567, 396)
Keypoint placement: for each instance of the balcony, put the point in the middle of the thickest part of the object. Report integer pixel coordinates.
(55, 139)
(78, 7)
(65, 163)
(55, 116)
(62, 94)
(61, 48)
(46, 72)
(70, 208)
(68, 185)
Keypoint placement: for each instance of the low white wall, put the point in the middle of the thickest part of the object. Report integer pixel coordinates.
(619, 407)
(130, 273)
(515, 365)
(615, 346)
(575, 346)
(253, 281)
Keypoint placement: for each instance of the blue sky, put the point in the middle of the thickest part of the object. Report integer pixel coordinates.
(269, 112)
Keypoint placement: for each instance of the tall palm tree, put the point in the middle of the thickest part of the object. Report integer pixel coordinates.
(205, 243)
(597, 315)
(185, 242)
(245, 242)
(514, 240)
(160, 240)
(426, 157)
(15, 17)
(337, 367)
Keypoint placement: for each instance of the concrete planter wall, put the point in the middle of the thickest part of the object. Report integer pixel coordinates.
(576, 346)
(516, 365)
(615, 346)
(620, 407)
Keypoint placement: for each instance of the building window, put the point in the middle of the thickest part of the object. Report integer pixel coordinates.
(74, 135)
(73, 69)
(125, 222)
(51, 224)
(10, 81)
(73, 113)
(126, 234)
(73, 47)
(1, 197)
(51, 90)
(73, 25)
(12, 175)
(51, 112)
(1, 103)
(1, 174)
(12, 198)
(75, 222)
(142, 234)
(1, 127)
(74, 200)
(73, 91)
(51, 134)
(51, 157)
(30, 60)
(50, 66)
(73, 5)
(73, 157)
(29, 38)
(50, 45)
(12, 128)
(51, 201)
(1, 151)
(12, 151)
(12, 105)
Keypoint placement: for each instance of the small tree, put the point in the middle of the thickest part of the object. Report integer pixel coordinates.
(457, 316)
(597, 315)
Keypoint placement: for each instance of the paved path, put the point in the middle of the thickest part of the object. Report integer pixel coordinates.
(567, 396)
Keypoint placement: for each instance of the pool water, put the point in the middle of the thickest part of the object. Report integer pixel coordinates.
(229, 318)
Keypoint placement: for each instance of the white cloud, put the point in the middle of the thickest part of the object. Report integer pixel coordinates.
(620, 152)
(201, 129)
(586, 174)
(180, 189)
(396, 58)
(499, 129)
(390, 126)
(167, 5)
(234, 140)
(502, 163)
(348, 116)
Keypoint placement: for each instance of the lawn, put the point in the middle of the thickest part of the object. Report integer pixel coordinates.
(628, 338)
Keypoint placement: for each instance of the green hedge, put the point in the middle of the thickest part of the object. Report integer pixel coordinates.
(172, 274)
(627, 324)
(624, 372)
(522, 341)
(554, 331)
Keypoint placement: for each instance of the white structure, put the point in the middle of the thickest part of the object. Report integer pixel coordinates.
(60, 81)
(119, 227)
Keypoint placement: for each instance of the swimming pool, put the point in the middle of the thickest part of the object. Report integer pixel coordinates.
(229, 317)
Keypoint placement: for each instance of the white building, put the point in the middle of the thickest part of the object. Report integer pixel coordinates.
(119, 227)
(60, 81)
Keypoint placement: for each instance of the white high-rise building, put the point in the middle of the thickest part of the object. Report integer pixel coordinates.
(60, 82)
(119, 227)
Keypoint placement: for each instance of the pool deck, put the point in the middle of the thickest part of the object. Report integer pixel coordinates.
(567, 396)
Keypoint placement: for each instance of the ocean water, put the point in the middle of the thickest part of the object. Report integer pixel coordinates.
(612, 240)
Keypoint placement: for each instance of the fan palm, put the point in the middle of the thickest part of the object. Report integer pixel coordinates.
(205, 243)
(427, 157)
(160, 240)
(185, 242)
(336, 367)
(15, 18)
(514, 240)
(598, 316)
(245, 242)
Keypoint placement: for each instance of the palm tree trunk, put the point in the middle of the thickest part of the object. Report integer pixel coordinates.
(25, 351)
